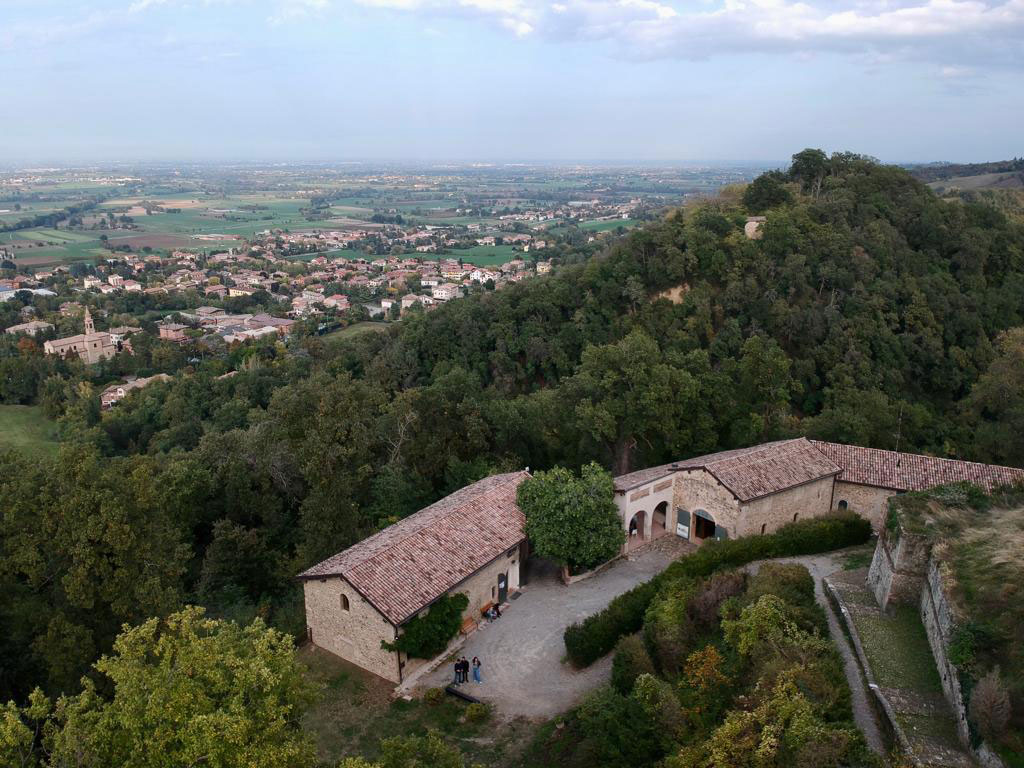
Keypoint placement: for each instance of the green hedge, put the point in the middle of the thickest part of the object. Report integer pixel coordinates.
(591, 639)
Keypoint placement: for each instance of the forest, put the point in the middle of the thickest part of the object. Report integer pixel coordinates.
(868, 311)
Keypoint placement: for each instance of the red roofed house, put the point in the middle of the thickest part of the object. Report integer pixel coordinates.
(752, 491)
(469, 542)
(871, 476)
(728, 494)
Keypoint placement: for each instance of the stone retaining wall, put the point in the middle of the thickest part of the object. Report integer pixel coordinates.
(898, 567)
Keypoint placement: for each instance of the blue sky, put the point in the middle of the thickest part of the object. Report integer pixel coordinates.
(586, 80)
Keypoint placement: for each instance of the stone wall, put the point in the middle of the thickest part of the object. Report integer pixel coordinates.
(698, 489)
(898, 567)
(868, 501)
(354, 635)
(940, 620)
(768, 514)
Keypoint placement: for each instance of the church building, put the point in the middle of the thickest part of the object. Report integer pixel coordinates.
(91, 346)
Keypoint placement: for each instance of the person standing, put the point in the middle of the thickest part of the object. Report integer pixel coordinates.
(476, 669)
(465, 670)
(458, 671)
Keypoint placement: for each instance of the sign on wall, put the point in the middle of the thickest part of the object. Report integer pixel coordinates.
(682, 530)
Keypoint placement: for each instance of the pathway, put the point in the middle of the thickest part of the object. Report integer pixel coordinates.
(820, 567)
(524, 669)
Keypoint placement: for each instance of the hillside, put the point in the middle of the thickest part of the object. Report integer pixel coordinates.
(1001, 174)
(868, 311)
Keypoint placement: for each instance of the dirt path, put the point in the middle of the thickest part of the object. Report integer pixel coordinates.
(819, 567)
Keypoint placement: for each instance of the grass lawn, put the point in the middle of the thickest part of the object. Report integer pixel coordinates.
(485, 255)
(367, 326)
(24, 428)
(606, 225)
(897, 649)
(356, 711)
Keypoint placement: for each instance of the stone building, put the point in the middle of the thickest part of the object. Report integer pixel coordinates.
(727, 494)
(91, 346)
(472, 542)
(871, 476)
(752, 491)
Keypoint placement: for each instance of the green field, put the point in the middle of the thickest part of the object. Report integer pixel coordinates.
(607, 225)
(54, 236)
(24, 428)
(485, 255)
(355, 329)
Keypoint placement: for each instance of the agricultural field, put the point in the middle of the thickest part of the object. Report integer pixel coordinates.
(355, 329)
(607, 225)
(485, 255)
(24, 428)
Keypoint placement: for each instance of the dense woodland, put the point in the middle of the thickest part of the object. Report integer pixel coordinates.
(869, 312)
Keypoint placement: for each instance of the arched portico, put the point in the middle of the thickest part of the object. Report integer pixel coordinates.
(659, 519)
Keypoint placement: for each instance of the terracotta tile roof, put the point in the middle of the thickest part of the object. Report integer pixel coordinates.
(911, 471)
(749, 473)
(408, 565)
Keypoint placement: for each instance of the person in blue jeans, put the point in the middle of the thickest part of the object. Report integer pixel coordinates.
(476, 669)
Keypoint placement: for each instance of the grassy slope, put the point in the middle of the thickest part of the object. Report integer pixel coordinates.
(24, 428)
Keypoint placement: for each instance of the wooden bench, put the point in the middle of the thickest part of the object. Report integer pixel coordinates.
(485, 608)
(468, 625)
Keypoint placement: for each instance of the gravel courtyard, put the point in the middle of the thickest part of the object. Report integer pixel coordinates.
(522, 652)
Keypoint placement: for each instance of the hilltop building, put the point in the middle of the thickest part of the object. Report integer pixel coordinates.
(756, 490)
(470, 542)
(474, 540)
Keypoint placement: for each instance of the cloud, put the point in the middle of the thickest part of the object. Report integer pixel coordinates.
(930, 29)
(294, 10)
(142, 5)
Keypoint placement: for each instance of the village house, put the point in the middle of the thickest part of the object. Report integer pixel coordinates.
(174, 332)
(446, 292)
(30, 328)
(117, 392)
(471, 542)
(91, 346)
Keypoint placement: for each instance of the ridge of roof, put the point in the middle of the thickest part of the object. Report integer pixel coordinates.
(408, 565)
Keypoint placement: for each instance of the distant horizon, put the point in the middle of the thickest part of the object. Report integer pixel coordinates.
(568, 81)
(82, 164)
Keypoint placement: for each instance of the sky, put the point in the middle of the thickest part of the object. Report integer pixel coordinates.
(510, 80)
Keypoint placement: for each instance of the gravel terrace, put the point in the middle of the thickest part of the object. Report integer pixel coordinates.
(522, 653)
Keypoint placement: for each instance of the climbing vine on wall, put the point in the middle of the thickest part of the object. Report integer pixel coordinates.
(427, 636)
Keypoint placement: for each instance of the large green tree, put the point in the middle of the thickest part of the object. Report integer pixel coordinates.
(571, 519)
(627, 394)
(190, 691)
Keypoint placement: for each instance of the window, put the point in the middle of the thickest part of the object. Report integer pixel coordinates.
(795, 516)
(842, 504)
(344, 602)
(763, 527)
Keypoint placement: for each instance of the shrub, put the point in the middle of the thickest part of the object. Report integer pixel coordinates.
(433, 695)
(425, 637)
(477, 712)
(712, 592)
(596, 635)
(990, 706)
(794, 584)
(631, 660)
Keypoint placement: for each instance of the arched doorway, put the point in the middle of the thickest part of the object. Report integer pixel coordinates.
(658, 520)
(703, 525)
(637, 528)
